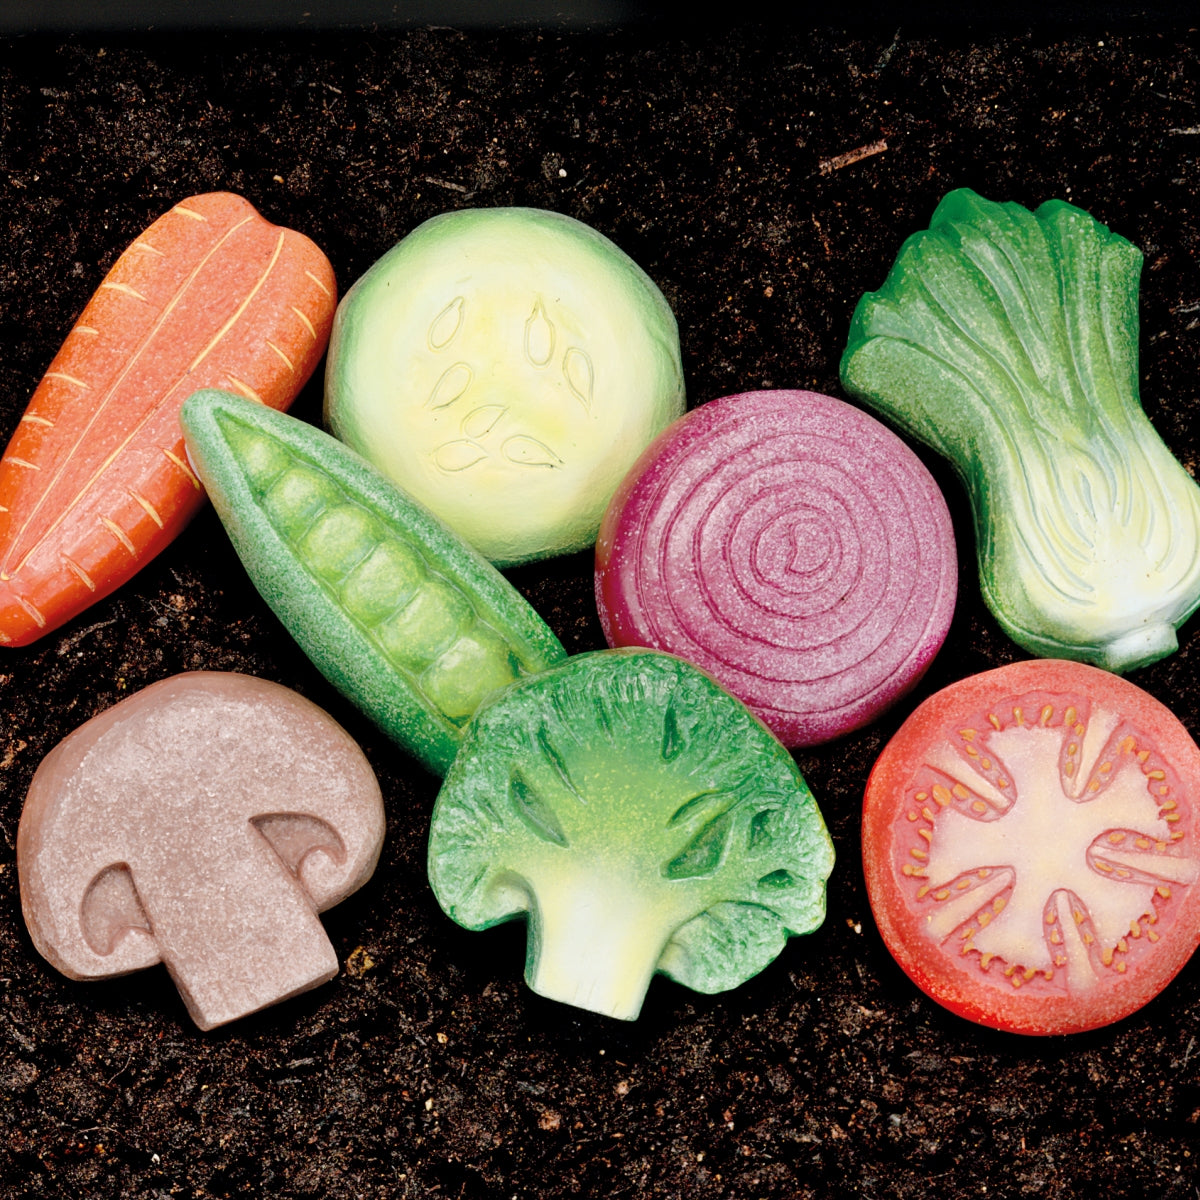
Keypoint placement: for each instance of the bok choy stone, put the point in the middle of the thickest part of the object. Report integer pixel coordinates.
(1007, 340)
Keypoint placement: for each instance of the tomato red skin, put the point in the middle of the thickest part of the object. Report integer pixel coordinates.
(961, 986)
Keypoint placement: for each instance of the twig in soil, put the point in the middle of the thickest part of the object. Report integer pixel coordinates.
(108, 1082)
(67, 644)
(448, 185)
(828, 165)
(1191, 129)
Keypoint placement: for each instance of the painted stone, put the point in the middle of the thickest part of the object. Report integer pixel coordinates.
(398, 612)
(1008, 341)
(640, 819)
(95, 481)
(505, 366)
(1030, 847)
(202, 823)
(790, 545)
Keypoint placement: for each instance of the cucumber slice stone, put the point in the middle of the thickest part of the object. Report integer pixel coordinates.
(505, 367)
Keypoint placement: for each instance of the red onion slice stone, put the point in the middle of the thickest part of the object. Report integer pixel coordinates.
(792, 547)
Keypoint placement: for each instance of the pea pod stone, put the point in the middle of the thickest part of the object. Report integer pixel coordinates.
(403, 617)
(505, 366)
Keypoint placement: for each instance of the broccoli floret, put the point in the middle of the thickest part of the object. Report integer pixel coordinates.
(641, 819)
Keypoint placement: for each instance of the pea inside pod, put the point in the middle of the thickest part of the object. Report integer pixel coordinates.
(400, 614)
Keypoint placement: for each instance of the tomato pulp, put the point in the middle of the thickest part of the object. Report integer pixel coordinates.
(1030, 847)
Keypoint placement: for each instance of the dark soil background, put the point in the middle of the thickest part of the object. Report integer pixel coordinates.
(733, 165)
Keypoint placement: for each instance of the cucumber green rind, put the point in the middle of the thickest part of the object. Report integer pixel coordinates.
(641, 819)
(404, 618)
(1007, 340)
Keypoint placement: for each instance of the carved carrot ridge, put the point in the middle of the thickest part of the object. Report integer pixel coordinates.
(95, 480)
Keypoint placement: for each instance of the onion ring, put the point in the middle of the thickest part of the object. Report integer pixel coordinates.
(791, 546)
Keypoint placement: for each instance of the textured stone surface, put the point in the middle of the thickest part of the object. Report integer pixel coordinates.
(638, 820)
(1029, 846)
(396, 610)
(430, 1069)
(201, 823)
(94, 481)
(1007, 339)
(794, 548)
(505, 366)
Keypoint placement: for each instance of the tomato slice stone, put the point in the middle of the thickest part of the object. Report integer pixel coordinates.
(1030, 847)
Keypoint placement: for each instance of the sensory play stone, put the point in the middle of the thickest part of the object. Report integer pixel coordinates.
(790, 545)
(202, 823)
(95, 482)
(505, 366)
(399, 613)
(640, 819)
(1007, 340)
(1030, 847)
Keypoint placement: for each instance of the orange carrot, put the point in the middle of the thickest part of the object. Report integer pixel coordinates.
(95, 480)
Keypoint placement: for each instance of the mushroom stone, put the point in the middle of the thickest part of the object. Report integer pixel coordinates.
(202, 823)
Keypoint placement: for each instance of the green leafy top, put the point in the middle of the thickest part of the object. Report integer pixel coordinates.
(642, 817)
(1007, 340)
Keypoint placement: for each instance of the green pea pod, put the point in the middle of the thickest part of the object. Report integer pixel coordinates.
(400, 614)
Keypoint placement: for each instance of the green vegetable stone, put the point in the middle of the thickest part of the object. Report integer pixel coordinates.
(1007, 340)
(641, 820)
(397, 611)
(505, 366)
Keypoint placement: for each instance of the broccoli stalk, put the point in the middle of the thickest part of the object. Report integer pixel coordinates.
(597, 944)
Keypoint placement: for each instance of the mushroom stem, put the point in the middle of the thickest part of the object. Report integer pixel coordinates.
(244, 940)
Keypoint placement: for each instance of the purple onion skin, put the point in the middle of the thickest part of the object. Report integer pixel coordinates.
(791, 546)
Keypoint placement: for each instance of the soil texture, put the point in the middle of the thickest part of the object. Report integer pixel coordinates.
(764, 178)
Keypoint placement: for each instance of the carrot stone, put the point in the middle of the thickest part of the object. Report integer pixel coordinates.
(95, 480)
